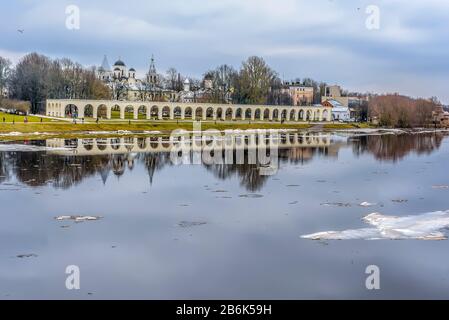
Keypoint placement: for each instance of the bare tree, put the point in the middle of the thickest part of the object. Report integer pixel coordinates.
(36, 78)
(5, 72)
(172, 78)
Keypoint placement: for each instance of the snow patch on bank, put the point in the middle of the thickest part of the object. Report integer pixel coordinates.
(28, 148)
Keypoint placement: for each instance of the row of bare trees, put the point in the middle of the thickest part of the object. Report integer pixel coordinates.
(394, 110)
(37, 77)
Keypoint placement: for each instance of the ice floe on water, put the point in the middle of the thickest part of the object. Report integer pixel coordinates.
(27, 148)
(367, 204)
(426, 226)
(440, 187)
(17, 134)
(336, 204)
(78, 218)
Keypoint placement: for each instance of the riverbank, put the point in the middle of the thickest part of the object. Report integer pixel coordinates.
(63, 129)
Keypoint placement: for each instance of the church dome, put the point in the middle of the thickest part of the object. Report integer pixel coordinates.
(132, 69)
(119, 63)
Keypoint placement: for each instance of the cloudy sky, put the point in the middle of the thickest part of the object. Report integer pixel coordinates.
(324, 39)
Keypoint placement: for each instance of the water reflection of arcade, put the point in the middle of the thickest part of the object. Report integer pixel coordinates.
(121, 145)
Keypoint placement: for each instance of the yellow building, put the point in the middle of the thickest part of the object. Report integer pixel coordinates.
(300, 95)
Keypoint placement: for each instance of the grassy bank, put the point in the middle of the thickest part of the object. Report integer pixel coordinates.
(70, 129)
(20, 119)
(64, 129)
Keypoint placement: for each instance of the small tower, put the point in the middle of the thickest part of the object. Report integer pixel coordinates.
(132, 73)
(119, 66)
(105, 64)
(104, 71)
(186, 85)
(152, 74)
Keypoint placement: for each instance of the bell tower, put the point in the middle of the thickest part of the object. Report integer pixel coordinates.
(152, 74)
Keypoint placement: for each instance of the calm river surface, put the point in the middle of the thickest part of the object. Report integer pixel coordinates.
(171, 231)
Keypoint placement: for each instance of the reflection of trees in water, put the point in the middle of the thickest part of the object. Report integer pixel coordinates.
(395, 147)
(249, 174)
(37, 168)
(40, 168)
(154, 162)
(301, 155)
(3, 167)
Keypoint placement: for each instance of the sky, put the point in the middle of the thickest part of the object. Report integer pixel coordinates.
(327, 40)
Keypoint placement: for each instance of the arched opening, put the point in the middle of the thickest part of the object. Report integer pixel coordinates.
(115, 112)
(188, 113)
(88, 144)
(102, 144)
(266, 114)
(309, 115)
(129, 112)
(88, 111)
(71, 111)
(142, 143)
(238, 114)
(325, 115)
(301, 114)
(257, 114)
(198, 113)
(115, 143)
(275, 114)
(228, 114)
(166, 113)
(209, 113)
(129, 143)
(293, 138)
(102, 111)
(284, 114)
(177, 113)
(292, 115)
(142, 112)
(154, 142)
(219, 113)
(154, 112)
(248, 113)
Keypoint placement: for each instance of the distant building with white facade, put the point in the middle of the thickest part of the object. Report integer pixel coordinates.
(339, 111)
(125, 85)
(334, 92)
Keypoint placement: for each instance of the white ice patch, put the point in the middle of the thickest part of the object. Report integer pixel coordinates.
(425, 226)
(78, 218)
(28, 148)
(16, 134)
(367, 204)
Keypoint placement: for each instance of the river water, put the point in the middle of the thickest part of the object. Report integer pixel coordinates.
(161, 230)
